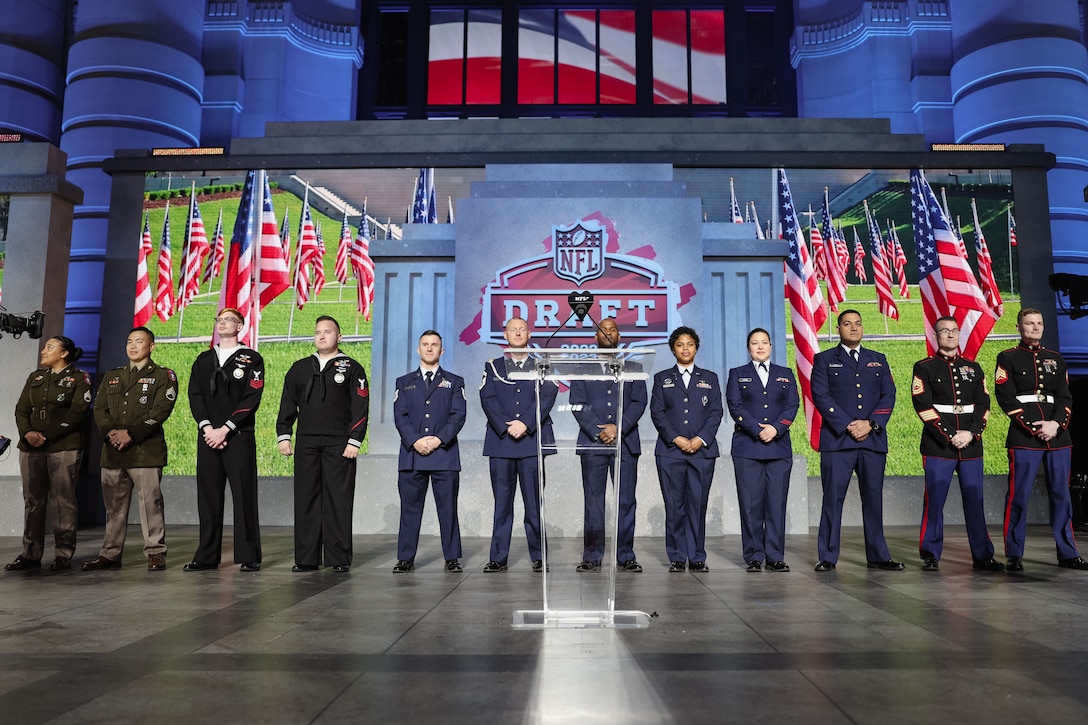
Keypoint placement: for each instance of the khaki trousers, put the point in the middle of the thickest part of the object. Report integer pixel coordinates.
(49, 478)
(117, 485)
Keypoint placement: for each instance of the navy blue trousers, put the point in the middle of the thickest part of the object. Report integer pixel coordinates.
(836, 468)
(412, 486)
(506, 475)
(1023, 465)
(596, 470)
(762, 486)
(938, 481)
(685, 486)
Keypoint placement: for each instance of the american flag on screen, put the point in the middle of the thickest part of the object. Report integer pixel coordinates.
(836, 276)
(273, 275)
(237, 290)
(986, 267)
(164, 286)
(305, 254)
(945, 281)
(343, 248)
(881, 271)
(801, 294)
(219, 252)
(193, 254)
(1012, 229)
(142, 314)
(363, 267)
(899, 259)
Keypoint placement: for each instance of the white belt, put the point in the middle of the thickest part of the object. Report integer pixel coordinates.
(942, 408)
(1035, 398)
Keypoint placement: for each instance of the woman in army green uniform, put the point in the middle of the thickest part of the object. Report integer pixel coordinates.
(49, 416)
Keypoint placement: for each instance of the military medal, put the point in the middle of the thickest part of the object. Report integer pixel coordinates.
(339, 377)
(239, 373)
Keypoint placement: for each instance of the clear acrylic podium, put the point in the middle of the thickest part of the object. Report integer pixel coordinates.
(574, 599)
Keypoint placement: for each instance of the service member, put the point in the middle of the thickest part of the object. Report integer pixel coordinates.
(596, 404)
(429, 409)
(49, 417)
(225, 390)
(1032, 387)
(130, 408)
(328, 395)
(853, 390)
(510, 443)
(950, 396)
(762, 400)
(686, 409)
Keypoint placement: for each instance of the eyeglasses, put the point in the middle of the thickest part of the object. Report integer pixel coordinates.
(235, 320)
(948, 331)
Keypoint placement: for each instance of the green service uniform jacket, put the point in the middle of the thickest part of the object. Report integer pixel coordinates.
(138, 401)
(54, 404)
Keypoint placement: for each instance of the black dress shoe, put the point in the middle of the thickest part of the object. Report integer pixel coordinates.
(304, 567)
(251, 566)
(825, 565)
(930, 564)
(755, 566)
(889, 565)
(454, 566)
(492, 567)
(538, 566)
(22, 563)
(1015, 564)
(990, 564)
(100, 562)
(588, 566)
(403, 566)
(342, 568)
(1075, 563)
(61, 563)
(675, 566)
(197, 566)
(631, 565)
(777, 566)
(699, 566)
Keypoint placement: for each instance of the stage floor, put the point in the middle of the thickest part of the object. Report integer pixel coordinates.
(850, 646)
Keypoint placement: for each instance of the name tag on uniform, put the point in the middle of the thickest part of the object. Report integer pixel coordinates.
(744, 380)
(834, 365)
(703, 384)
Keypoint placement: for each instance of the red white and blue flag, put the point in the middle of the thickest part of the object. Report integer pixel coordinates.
(164, 285)
(193, 254)
(859, 258)
(802, 293)
(143, 311)
(305, 253)
(836, 277)
(945, 281)
(237, 290)
(986, 268)
(272, 275)
(214, 264)
(343, 250)
(881, 271)
(1012, 229)
(363, 267)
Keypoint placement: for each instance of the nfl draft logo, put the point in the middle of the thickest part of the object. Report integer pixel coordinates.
(579, 251)
(629, 288)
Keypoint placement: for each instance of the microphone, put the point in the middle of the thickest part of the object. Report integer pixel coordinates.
(580, 302)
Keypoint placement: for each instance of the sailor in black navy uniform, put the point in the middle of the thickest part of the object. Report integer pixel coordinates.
(950, 396)
(510, 442)
(853, 390)
(686, 408)
(225, 390)
(1032, 387)
(429, 411)
(328, 394)
(762, 400)
(596, 404)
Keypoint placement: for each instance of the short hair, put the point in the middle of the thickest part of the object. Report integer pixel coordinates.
(683, 330)
(754, 331)
(1024, 311)
(844, 313)
(235, 310)
(946, 318)
(515, 317)
(427, 333)
(141, 328)
(328, 318)
(68, 345)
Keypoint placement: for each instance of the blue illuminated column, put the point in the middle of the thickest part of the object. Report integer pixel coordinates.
(1021, 76)
(32, 59)
(134, 81)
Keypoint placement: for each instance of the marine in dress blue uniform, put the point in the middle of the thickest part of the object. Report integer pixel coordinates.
(1032, 387)
(510, 442)
(763, 405)
(686, 409)
(429, 411)
(855, 398)
(950, 397)
(596, 405)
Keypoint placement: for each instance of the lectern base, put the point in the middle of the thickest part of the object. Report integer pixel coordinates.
(573, 619)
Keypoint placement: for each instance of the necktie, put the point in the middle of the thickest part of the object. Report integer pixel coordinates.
(763, 367)
(854, 354)
(428, 376)
(686, 377)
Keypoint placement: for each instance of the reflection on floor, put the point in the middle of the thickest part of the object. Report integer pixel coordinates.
(852, 646)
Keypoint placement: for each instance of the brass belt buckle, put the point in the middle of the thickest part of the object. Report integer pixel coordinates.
(41, 414)
(957, 408)
(1041, 396)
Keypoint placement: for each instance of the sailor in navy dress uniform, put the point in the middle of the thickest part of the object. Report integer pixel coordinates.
(1032, 387)
(949, 395)
(686, 409)
(510, 442)
(429, 411)
(595, 404)
(853, 390)
(762, 400)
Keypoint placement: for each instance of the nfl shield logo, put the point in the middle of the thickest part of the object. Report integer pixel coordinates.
(579, 251)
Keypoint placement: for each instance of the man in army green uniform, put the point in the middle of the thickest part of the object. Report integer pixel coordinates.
(132, 404)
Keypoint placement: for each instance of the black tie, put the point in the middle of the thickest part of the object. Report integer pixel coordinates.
(429, 376)
(854, 354)
(686, 377)
(763, 367)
